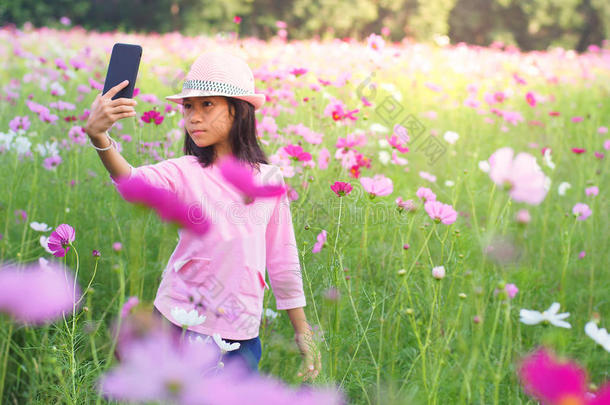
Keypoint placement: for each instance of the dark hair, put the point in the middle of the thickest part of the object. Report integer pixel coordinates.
(242, 137)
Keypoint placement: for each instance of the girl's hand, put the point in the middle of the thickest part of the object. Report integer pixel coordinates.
(311, 366)
(105, 111)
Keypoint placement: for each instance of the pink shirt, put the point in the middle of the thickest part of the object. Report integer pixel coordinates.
(222, 273)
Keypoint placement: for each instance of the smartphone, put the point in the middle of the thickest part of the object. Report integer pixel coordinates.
(124, 65)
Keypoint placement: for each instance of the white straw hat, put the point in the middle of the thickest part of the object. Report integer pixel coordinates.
(220, 74)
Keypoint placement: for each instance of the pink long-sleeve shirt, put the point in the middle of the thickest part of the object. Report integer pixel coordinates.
(222, 273)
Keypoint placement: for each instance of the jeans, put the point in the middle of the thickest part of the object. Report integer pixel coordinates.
(249, 351)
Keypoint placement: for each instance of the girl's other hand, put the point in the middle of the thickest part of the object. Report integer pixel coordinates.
(311, 366)
(105, 111)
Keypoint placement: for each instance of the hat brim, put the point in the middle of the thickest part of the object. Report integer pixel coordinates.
(257, 100)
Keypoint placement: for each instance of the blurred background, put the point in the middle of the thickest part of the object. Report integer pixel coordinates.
(527, 24)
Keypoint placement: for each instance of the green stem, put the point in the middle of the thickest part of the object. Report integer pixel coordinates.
(5, 351)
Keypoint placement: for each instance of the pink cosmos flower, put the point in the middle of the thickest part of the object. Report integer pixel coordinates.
(117, 246)
(323, 159)
(379, 185)
(60, 240)
(579, 151)
(399, 138)
(297, 152)
(237, 19)
(407, 205)
(341, 188)
(522, 176)
(298, 71)
(152, 116)
(581, 211)
(167, 204)
(582, 254)
(51, 162)
(577, 119)
(593, 190)
(37, 293)
(425, 194)
(321, 240)
(531, 99)
(511, 290)
(241, 178)
(427, 176)
(18, 123)
(523, 216)
(440, 212)
(555, 382)
(375, 42)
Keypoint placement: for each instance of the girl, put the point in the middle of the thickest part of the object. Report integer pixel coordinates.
(220, 275)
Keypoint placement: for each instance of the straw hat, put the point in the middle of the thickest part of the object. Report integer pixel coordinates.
(220, 74)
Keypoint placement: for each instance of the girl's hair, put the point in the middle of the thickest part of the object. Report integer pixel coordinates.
(242, 137)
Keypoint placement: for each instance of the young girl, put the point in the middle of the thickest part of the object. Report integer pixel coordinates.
(221, 274)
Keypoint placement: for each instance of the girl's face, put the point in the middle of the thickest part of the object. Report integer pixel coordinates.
(208, 122)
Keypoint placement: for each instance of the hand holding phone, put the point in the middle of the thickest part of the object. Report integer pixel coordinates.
(106, 110)
(124, 65)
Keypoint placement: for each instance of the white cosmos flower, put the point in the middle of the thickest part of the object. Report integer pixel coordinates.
(547, 159)
(376, 127)
(40, 226)
(451, 137)
(191, 318)
(484, 166)
(224, 346)
(600, 336)
(563, 187)
(449, 183)
(269, 313)
(384, 157)
(531, 317)
(44, 242)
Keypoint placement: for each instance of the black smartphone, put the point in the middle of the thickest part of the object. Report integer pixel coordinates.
(124, 65)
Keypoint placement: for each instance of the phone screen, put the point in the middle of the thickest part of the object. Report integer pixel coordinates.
(124, 65)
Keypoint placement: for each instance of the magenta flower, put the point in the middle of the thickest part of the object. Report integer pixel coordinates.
(51, 162)
(425, 194)
(321, 240)
(522, 176)
(379, 185)
(440, 212)
(152, 116)
(531, 99)
(399, 138)
(167, 204)
(581, 211)
(18, 123)
(556, 382)
(37, 293)
(240, 176)
(117, 246)
(60, 240)
(297, 152)
(341, 188)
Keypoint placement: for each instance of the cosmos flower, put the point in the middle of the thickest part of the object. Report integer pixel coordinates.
(599, 335)
(555, 382)
(531, 317)
(379, 185)
(60, 240)
(341, 188)
(37, 292)
(241, 178)
(440, 212)
(190, 318)
(321, 240)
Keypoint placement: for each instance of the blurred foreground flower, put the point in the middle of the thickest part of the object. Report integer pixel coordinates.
(167, 204)
(558, 383)
(37, 292)
(241, 178)
(157, 367)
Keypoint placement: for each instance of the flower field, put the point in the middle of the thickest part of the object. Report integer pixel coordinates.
(449, 202)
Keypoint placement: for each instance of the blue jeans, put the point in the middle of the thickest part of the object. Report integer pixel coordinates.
(249, 352)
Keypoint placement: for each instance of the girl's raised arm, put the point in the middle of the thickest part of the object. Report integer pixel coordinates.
(104, 113)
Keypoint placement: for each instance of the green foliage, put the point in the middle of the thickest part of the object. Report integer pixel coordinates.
(528, 24)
